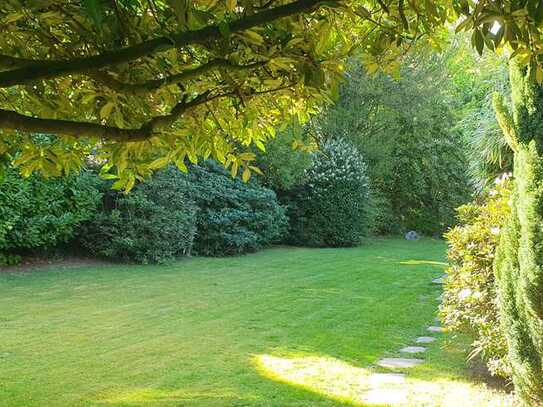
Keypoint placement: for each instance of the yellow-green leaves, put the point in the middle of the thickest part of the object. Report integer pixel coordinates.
(231, 5)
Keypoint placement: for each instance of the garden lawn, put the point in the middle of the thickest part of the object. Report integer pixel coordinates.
(283, 327)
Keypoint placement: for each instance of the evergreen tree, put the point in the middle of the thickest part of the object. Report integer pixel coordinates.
(519, 261)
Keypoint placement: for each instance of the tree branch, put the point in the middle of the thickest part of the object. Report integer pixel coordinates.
(11, 120)
(52, 69)
(147, 86)
(15, 121)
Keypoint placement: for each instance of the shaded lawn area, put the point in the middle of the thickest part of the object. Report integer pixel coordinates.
(286, 326)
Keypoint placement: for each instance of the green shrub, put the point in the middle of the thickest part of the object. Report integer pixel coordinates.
(470, 295)
(38, 213)
(331, 209)
(154, 223)
(234, 217)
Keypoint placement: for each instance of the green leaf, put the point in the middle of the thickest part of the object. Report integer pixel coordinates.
(95, 11)
(224, 29)
(478, 41)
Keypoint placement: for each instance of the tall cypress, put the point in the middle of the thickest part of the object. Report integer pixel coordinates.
(519, 261)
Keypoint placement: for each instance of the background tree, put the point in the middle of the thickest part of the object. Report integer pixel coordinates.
(405, 129)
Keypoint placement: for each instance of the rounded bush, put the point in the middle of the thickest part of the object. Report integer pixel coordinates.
(234, 217)
(154, 223)
(332, 208)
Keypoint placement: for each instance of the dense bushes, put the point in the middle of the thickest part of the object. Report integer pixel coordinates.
(153, 223)
(42, 213)
(234, 217)
(205, 211)
(470, 296)
(331, 208)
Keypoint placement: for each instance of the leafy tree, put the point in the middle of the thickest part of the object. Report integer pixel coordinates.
(145, 83)
(520, 253)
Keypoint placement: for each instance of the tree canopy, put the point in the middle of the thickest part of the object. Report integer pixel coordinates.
(141, 83)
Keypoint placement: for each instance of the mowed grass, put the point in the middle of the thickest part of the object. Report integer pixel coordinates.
(282, 327)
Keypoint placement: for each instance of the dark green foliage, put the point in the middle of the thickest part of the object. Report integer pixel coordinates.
(285, 160)
(416, 162)
(520, 254)
(234, 217)
(470, 293)
(153, 223)
(331, 208)
(38, 213)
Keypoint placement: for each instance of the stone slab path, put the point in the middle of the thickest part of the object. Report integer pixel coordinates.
(398, 395)
(399, 363)
(425, 339)
(413, 349)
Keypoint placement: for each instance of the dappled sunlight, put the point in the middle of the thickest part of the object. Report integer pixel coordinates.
(341, 381)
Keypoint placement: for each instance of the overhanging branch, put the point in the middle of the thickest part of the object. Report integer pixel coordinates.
(45, 70)
(11, 120)
(148, 86)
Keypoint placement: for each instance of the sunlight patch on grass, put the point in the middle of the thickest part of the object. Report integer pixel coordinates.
(341, 381)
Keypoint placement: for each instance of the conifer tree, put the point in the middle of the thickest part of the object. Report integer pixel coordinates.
(519, 261)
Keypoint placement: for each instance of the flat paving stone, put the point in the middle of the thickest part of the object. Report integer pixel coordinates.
(413, 349)
(425, 339)
(434, 329)
(378, 379)
(399, 363)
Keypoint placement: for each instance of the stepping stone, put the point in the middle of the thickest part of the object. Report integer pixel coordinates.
(378, 379)
(425, 339)
(399, 363)
(438, 280)
(434, 329)
(413, 349)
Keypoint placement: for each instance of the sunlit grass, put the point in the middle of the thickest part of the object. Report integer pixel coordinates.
(196, 333)
(346, 383)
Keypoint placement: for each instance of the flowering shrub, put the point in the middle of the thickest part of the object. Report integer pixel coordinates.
(331, 209)
(470, 297)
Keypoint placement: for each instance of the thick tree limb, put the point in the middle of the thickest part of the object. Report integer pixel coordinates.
(45, 70)
(15, 121)
(142, 88)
